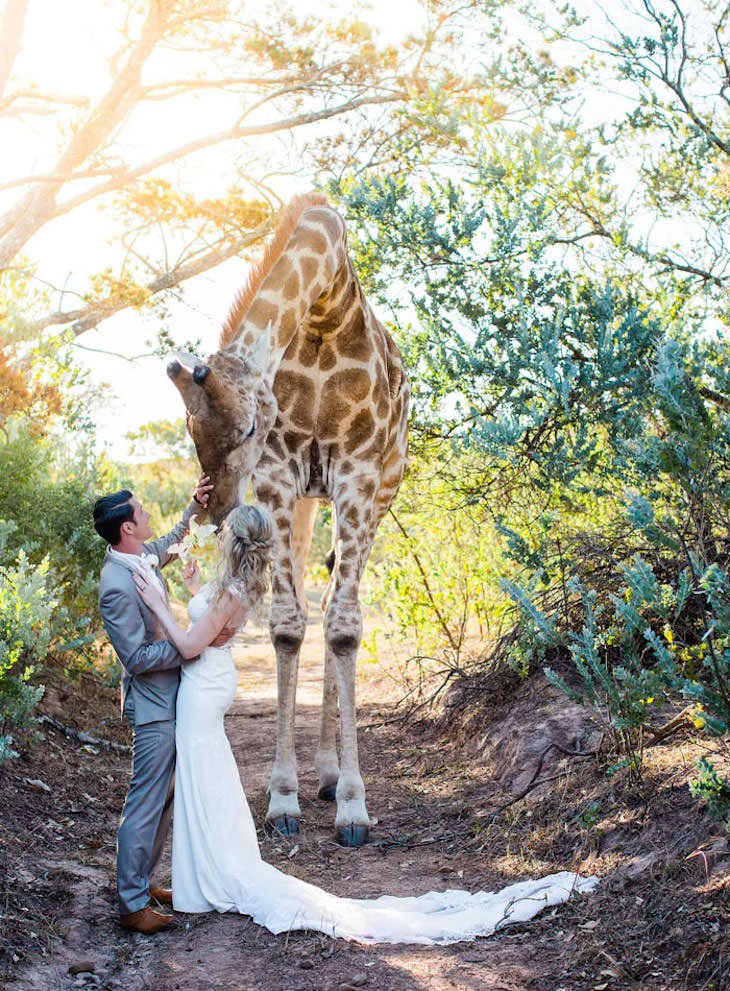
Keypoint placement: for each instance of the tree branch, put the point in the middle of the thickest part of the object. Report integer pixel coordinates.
(434, 605)
(48, 102)
(87, 317)
(11, 34)
(235, 133)
(38, 205)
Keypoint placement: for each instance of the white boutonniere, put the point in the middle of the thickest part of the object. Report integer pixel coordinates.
(198, 544)
(150, 562)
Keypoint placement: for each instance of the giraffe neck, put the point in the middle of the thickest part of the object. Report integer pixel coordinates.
(313, 261)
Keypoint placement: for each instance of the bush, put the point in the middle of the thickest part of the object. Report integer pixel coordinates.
(588, 412)
(28, 618)
(434, 572)
(49, 494)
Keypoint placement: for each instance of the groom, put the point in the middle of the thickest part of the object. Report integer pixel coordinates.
(150, 680)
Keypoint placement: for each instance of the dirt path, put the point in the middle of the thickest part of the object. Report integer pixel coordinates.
(424, 797)
(227, 952)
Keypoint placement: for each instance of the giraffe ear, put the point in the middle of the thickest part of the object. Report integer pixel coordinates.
(261, 352)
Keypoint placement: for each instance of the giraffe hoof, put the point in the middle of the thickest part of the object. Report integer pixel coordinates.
(353, 835)
(328, 793)
(286, 825)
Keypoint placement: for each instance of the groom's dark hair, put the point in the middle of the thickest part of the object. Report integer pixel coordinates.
(110, 512)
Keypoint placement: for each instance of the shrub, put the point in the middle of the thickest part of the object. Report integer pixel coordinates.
(28, 617)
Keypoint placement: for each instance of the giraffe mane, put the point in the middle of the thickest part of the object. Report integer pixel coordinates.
(262, 266)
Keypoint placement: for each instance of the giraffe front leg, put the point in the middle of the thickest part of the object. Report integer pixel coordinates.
(343, 631)
(287, 626)
(352, 822)
(325, 761)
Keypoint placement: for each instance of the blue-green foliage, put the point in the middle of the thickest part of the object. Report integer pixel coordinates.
(597, 407)
(28, 616)
(713, 790)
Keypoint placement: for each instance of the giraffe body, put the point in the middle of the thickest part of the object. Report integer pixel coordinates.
(307, 399)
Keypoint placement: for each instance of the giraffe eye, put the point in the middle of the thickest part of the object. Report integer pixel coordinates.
(244, 435)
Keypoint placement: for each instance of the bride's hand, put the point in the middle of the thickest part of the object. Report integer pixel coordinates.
(191, 577)
(149, 593)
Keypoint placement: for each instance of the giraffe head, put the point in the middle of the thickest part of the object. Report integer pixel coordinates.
(230, 409)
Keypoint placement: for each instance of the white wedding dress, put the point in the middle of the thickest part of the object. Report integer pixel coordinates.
(216, 863)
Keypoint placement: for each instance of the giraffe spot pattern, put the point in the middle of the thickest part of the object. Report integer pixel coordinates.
(262, 313)
(293, 440)
(309, 269)
(291, 286)
(359, 431)
(311, 240)
(352, 515)
(332, 416)
(327, 358)
(295, 395)
(351, 341)
(309, 351)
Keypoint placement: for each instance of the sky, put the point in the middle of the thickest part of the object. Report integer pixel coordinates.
(65, 49)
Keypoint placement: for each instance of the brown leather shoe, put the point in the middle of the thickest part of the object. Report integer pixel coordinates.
(146, 921)
(162, 895)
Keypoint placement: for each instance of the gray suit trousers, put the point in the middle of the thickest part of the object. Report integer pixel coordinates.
(147, 812)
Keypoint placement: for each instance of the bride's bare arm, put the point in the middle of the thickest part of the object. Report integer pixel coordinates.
(202, 634)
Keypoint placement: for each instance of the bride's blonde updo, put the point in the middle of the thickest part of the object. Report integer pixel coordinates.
(247, 548)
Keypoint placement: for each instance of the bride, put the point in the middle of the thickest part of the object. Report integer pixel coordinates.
(216, 862)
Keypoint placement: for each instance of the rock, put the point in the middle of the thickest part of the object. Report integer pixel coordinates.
(541, 731)
(82, 967)
(358, 980)
(641, 865)
(306, 963)
(36, 784)
(55, 702)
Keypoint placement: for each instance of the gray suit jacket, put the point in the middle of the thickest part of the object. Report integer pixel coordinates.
(150, 664)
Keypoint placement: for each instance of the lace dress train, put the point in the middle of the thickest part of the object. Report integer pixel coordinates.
(216, 863)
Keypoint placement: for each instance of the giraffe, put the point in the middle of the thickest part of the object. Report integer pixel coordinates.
(306, 399)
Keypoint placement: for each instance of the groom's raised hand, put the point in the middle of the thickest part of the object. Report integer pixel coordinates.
(203, 490)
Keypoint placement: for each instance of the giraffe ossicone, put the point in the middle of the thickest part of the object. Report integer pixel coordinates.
(306, 399)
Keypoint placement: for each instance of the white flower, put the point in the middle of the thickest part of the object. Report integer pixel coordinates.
(197, 544)
(150, 561)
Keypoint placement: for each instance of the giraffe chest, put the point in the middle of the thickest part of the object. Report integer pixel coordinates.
(326, 420)
(342, 405)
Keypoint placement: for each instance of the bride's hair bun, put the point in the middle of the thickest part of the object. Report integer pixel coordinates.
(238, 521)
(252, 524)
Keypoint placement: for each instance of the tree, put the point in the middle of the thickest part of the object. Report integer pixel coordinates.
(563, 361)
(253, 76)
(669, 60)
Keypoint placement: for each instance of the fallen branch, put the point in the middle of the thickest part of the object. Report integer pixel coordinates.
(83, 737)
(677, 722)
(404, 844)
